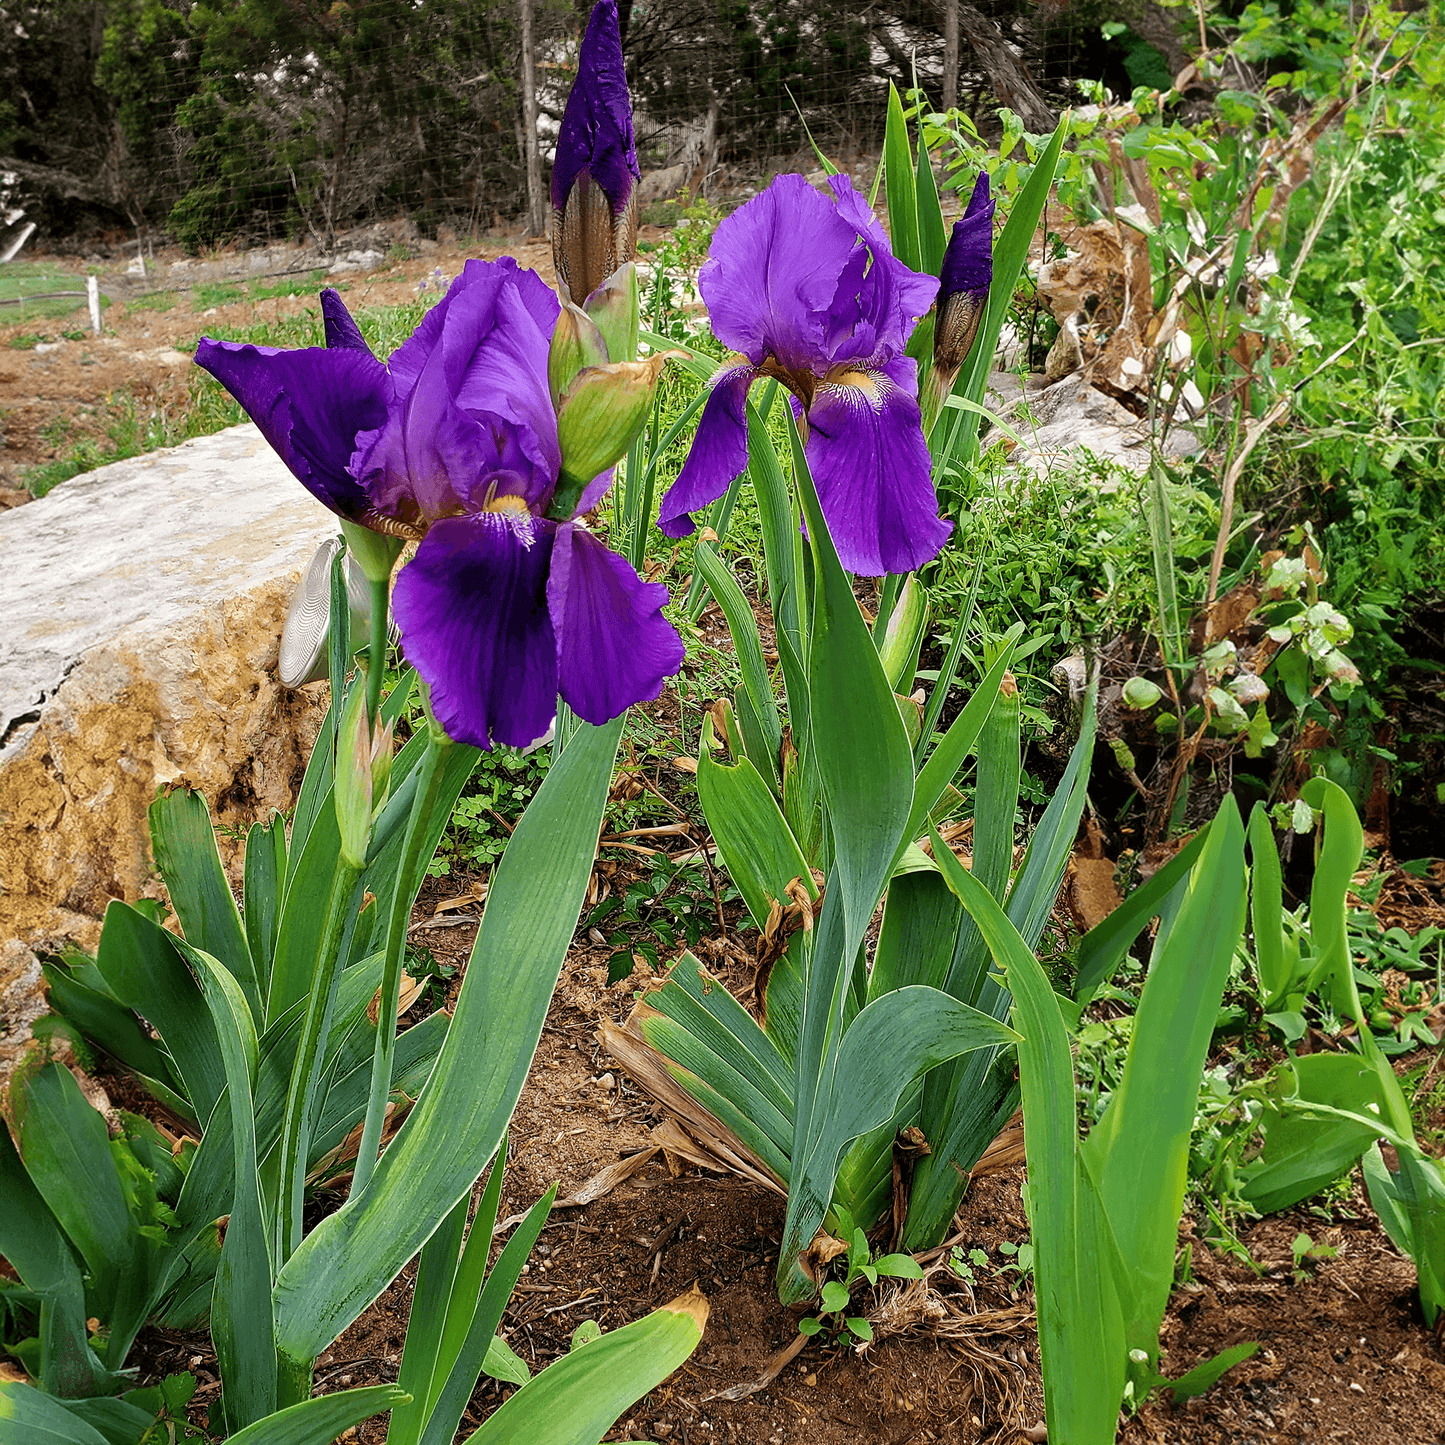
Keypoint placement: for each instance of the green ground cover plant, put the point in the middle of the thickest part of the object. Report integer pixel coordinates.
(22, 281)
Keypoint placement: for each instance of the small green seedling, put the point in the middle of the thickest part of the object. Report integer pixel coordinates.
(837, 1294)
(1303, 1248)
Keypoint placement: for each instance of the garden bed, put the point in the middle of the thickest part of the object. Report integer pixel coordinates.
(1344, 1352)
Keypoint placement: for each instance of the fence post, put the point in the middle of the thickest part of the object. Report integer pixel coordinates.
(536, 223)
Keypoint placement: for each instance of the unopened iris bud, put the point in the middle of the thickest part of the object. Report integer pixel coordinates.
(615, 306)
(576, 345)
(963, 286)
(602, 412)
(595, 174)
(363, 772)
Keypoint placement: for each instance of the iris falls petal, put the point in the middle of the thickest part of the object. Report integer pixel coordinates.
(309, 405)
(719, 452)
(871, 466)
(614, 645)
(472, 607)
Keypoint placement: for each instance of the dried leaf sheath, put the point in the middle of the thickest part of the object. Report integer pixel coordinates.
(721, 1146)
(589, 240)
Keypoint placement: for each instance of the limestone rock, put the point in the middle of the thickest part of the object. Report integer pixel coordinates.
(22, 1001)
(1058, 420)
(143, 611)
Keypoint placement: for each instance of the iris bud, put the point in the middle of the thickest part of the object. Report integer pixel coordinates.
(595, 173)
(363, 773)
(602, 412)
(576, 344)
(964, 281)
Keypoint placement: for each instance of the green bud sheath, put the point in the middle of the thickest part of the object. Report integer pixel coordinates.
(353, 786)
(375, 553)
(576, 345)
(614, 307)
(602, 412)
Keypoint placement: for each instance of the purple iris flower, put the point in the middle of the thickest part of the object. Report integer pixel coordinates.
(594, 222)
(806, 287)
(453, 443)
(963, 283)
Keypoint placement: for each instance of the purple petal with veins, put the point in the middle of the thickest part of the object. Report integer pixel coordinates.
(309, 405)
(614, 646)
(472, 606)
(719, 452)
(871, 464)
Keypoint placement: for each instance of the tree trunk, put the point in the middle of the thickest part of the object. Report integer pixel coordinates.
(536, 212)
(1159, 27)
(950, 54)
(1012, 83)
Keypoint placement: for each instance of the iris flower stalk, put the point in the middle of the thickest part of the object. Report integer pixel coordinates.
(805, 286)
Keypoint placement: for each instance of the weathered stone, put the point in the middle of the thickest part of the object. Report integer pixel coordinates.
(661, 185)
(143, 609)
(1056, 422)
(22, 1001)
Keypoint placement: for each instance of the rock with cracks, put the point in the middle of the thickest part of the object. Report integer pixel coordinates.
(143, 611)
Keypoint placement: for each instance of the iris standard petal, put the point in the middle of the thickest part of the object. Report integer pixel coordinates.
(885, 302)
(719, 451)
(496, 369)
(342, 332)
(853, 206)
(871, 466)
(472, 608)
(594, 492)
(478, 279)
(771, 277)
(483, 348)
(614, 646)
(309, 406)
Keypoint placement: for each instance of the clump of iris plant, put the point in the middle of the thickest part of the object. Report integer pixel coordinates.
(464, 443)
(806, 287)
